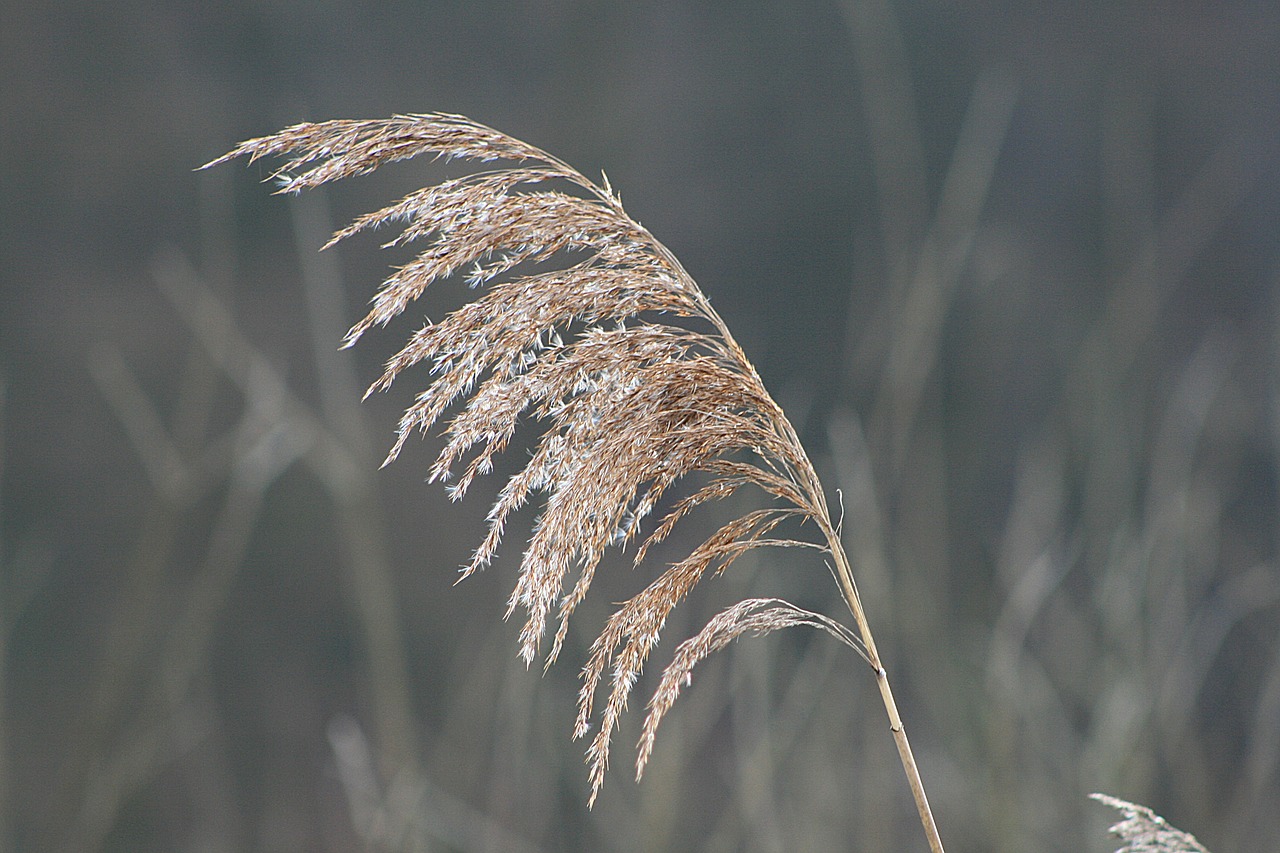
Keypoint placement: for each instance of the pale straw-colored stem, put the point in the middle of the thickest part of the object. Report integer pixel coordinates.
(848, 587)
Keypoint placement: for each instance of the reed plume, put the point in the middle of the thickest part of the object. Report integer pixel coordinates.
(574, 329)
(1144, 831)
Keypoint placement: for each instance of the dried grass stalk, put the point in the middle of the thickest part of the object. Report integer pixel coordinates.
(573, 330)
(1144, 831)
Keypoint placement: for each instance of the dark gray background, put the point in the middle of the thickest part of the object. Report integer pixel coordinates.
(1048, 401)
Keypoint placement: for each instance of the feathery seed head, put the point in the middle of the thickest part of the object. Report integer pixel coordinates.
(563, 331)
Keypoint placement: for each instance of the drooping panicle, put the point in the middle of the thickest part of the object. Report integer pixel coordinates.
(572, 326)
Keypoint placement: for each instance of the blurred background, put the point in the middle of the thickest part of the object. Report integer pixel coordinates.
(1011, 268)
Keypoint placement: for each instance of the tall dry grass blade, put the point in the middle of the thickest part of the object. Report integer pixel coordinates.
(572, 329)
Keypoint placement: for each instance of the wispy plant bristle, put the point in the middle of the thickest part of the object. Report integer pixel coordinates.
(1144, 831)
(751, 617)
